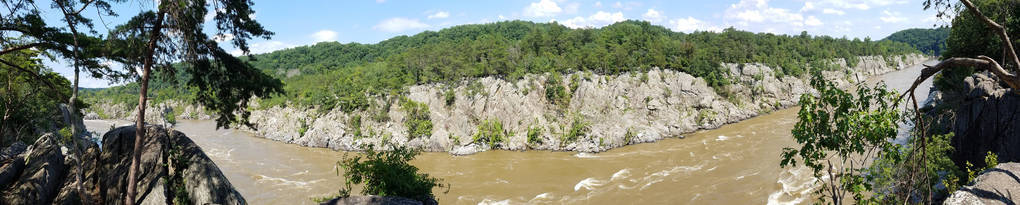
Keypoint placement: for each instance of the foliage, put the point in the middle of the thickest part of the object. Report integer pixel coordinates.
(555, 92)
(578, 127)
(331, 74)
(387, 173)
(969, 37)
(490, 132)
(418, 122)
(449, 96)
(838, 131)
(535, 135)
(30, 95)
(931, 41)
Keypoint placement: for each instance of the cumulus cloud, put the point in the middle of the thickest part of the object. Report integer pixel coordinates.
(598, 19)
(263, 47)
(833, 11)
(324, 35)
(439, 15)
(542, 8)
(690, 24)
(812, 21)
(892, 17)
(653, 15)
(398, 24)
(757, 11)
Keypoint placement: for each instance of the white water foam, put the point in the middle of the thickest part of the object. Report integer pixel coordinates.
(285, 182)
(585, 155)
(494, 202)
(796, 184)
(622, 174)
(722, 138)
(589, 184)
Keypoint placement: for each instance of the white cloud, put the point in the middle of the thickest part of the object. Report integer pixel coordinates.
(690, 24)
(758, 11)
(264, 47)
(833, 11)
(219, 38)
(324, 35)
(439, 15)
(812, 21)
(542, 8)
(808, 6)
(501, 17)
(653, 15)
(892, 17)
(598, 19)
(399, 24)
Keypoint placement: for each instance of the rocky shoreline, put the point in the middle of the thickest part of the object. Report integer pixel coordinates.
(603, 111)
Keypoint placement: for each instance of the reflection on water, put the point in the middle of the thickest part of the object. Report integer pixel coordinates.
(735, 164)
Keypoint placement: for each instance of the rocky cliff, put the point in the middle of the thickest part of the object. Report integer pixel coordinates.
(603, 111)
(983, 115)
(172, 168)
(994, 186)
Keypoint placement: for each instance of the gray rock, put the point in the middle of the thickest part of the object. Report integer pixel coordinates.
(999, 185)
(204, 182)
(42, 176)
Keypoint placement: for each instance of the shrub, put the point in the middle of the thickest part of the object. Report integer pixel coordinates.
(490, 132)
(555, 92)
(355, 124)
(535, 135)
(450, 96)
(577, 129)
(418, 122)
(387, 173)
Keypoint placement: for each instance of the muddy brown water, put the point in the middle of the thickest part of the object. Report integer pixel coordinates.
(734, 164)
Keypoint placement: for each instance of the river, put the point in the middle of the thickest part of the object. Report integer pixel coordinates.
(734, 164)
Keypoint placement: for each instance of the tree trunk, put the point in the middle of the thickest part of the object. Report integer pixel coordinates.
(140, 119)
(72, 108)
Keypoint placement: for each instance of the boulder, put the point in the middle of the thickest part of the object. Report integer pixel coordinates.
(43, 175)
(11, 163)
(203, 181)
(999, 185)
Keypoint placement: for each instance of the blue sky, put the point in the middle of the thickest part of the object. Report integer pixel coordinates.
(370, 21)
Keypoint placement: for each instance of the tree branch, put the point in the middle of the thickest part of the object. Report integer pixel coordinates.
(21, 47)
(981, 62)
(998, 29)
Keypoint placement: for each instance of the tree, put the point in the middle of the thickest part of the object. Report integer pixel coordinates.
(840, 133)
(220, 81)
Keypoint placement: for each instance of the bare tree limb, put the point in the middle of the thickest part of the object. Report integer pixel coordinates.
(981, 62)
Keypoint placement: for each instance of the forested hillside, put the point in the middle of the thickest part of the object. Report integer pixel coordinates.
(332, 74)
(930, 41)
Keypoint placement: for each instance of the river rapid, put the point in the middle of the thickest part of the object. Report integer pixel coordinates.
(734, 164)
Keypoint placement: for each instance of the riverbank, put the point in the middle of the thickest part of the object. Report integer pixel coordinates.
(601, 111)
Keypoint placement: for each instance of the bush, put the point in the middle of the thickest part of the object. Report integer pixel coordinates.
(555, 92)
(450, 96)
(535, 135)
(418, 122)
(490, 132)
(577, 129)
(387, 173)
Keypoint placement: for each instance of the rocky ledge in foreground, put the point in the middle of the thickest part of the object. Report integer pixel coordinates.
(999, 185)
(172, 168)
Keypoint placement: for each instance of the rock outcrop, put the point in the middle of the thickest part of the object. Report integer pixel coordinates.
(999, 185)
(615, 110)
(611, 110)
(984, 117)
(172, 166)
